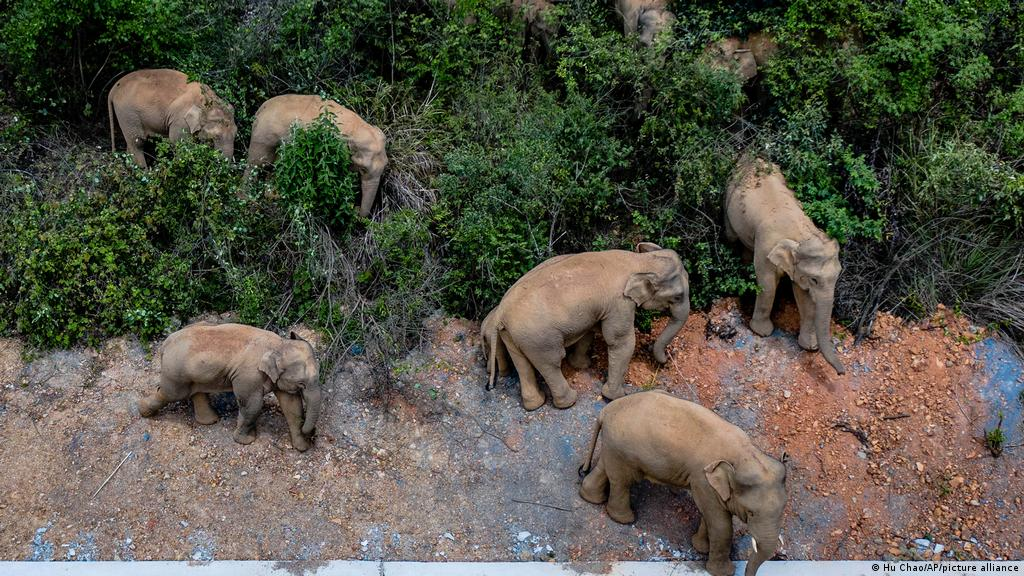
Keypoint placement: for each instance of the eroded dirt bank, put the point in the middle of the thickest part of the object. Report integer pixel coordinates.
(441, 469)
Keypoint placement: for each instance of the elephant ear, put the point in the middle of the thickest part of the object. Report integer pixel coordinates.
(783, 255)
(193, 119)
(720, 476)
(271, 365)
(640, 287)
(645, 247)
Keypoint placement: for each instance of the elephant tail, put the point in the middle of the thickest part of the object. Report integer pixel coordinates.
(588, 464)
(494, 338)
(110, 114)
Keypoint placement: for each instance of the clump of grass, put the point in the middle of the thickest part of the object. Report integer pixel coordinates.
(995, 439)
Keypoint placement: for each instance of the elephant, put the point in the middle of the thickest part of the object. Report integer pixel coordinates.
(648, 17)
(559, 304)
(540, 19)
(765, 216)
(658, 437)
(164, 103)
(367, 143)
(743, 58)
(204, 358)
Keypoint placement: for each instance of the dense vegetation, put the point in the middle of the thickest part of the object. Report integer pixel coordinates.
(899, 124)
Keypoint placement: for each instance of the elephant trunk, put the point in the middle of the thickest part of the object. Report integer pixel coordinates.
(766, 542)
(369, 191)
(822, 325)
(680, 312)
(311, 395)
(227, 148)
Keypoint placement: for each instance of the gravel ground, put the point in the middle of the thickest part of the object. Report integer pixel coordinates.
(884, 461)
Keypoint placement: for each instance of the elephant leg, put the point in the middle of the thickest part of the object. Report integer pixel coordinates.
(547, 358)
(808, 339)
(203, 411)
(249, 406)
(580, 357)
(164, 394)
(768, 280)
(700, 538)
(619, 482)
(595, 486)
(133, 142)
(291, 406)
(621, 339)
(533, 398)
(719, 529)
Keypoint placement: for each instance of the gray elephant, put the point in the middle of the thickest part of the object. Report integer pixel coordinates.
(558, 305)
(649, 18)
(764, 214)
(164, 103)
(203, 358)
(273, 122)
(658, 437)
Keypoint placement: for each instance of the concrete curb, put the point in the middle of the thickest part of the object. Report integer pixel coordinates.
(367, 568)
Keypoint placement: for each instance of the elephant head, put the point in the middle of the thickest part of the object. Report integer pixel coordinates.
(292, 368)
(212, 120)
(813, 265)
(370, 158)
(652, 23)
(753, 489)
(730, 54)
(662, 284)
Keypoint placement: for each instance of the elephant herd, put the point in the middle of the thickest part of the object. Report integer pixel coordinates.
(165, 103)
(551, 312)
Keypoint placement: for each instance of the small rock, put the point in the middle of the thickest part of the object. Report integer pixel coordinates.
(449, 536)
(862, 455)
(244, 473)
(975, 503)
(522, 536)
(786, 393)
(939, 548)
(923, 543)
(920, 467)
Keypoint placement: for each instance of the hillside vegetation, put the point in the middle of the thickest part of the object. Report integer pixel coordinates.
(900, 125)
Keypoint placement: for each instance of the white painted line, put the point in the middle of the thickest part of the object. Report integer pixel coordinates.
(368, 568)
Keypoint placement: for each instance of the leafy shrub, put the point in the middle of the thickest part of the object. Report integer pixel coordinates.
(532, 178)
(313, 172)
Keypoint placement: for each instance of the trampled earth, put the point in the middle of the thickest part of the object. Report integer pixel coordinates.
(886, 461)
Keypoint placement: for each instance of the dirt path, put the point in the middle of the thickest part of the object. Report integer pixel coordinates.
(446, 471)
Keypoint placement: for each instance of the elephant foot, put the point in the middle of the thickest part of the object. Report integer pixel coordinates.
(148, 407)
(762, 327)
(721, 567)
(592, 494)
(612, 392)
(206, 416)
(300, 443)
(565, 401)
(581, 362)
(533, 403)
(808, 341)
(244, 438)
(622, 516)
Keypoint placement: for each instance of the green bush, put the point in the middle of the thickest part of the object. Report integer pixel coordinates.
(313, 173)
(532, 178)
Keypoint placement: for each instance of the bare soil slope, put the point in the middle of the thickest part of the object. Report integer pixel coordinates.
(439, 469)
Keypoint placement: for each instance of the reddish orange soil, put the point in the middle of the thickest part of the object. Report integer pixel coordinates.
(436, 468)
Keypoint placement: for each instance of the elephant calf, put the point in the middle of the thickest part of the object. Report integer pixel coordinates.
(274, 120)
(649, 18)
(559, 303)
(203, 358)
(764, 214)
(164, 103)
(658, 437)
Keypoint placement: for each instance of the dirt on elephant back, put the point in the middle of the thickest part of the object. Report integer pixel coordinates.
(885, 461)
